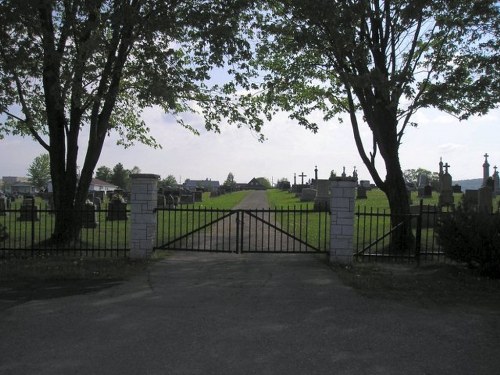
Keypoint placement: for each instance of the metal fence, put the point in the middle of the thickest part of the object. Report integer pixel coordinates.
(412, 239)
(283, 230)
(24, 232)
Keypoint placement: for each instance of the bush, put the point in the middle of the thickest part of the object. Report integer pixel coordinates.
(472, 237)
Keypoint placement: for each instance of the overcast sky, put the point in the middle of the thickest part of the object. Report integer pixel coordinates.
(288, 149)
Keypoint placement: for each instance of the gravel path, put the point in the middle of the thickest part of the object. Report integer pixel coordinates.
(255, 234)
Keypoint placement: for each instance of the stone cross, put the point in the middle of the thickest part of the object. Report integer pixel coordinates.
(486, 170)
(295, 178)
(446, 166)
(302, 176)
(315, 173)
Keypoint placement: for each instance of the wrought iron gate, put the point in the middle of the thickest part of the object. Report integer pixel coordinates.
(240, 231)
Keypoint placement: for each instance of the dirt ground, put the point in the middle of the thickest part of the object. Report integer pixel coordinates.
(425, 286)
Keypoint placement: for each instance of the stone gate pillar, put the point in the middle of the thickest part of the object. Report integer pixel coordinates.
(342, 191)
(143, 201)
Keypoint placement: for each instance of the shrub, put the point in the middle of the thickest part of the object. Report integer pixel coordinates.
(472, 237)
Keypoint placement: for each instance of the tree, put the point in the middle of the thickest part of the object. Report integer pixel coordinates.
(39, 171)
(411, 176)
(73, 67)
(120, 176)
(168, 182)
(103, 173)
(379, 62)
(230, 183)
(264, 182)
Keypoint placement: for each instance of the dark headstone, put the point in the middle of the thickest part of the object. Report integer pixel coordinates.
(485, 196)
(117, 210)
(457, 188)
(187, 198)
(28, 210)
(361, 192)
(427, 191)
(89, 216)
(198, 196)
(471, 198)
(171, 201)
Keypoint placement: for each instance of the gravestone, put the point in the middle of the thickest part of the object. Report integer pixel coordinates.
(486, 170)
(188, 198)
(170, 201)
(427, 192)
(422, 180)
(89, 215)
(322, 198)
(198, 196)
(28, 210)
(117, 209)
(361, 192)
(457, 188)
(484, 198)
(308, 195)
(471, 198)
(446, 194)
(496, 182)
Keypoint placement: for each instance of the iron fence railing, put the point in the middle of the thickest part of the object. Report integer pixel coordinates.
(412, 237)
(26, 231)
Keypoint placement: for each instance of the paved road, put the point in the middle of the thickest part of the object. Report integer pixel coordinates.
(201, 313)
(204, 313)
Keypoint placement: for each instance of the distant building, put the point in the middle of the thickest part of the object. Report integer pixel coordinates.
(207, 185)
(17, 185)
(95, 185)
(254, 184)
(100, 185)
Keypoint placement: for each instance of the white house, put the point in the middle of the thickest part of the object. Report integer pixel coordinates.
(95, 185)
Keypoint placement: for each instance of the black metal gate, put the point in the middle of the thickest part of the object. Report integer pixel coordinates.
(240, 231)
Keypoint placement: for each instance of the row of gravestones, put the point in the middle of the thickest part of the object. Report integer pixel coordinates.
(175, 197)
(318, 192)
(116, 210)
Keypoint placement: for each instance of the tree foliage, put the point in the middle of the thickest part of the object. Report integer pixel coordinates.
(230, 182)
(169, 181)
(379, 62)
(120, 176)
(39, 171)
(73, 67)
(104, 173)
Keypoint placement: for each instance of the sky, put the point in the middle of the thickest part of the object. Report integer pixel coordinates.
(289, 149)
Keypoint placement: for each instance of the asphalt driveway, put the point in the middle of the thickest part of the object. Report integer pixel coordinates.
(198, 313)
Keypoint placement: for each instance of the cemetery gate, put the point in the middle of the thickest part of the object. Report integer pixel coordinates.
(287, 230)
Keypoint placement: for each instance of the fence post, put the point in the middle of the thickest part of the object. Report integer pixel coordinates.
(143, 202)
(342, 192)
(418, 234)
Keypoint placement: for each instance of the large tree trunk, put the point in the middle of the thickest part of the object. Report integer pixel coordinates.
(399, 203)
(383, 123)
